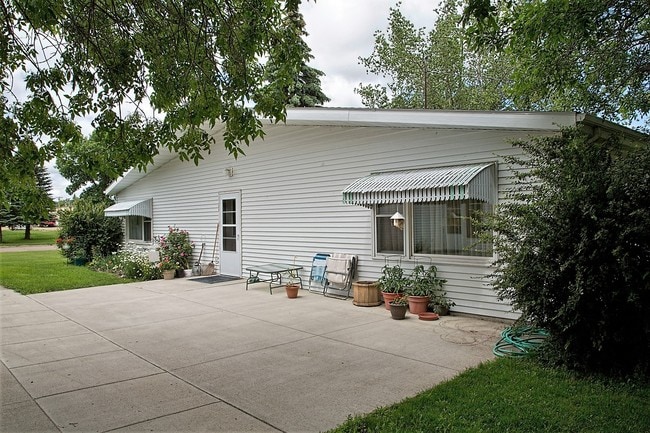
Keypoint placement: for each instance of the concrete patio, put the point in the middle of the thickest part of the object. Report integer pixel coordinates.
(186, 356)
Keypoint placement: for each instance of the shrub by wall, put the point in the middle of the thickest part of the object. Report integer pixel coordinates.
(573, 250)
(88, 231)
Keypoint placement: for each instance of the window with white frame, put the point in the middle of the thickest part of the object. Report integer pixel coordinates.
(138, 228)
(448, 228)
(428, 211)
(388, 239)
(443, 227)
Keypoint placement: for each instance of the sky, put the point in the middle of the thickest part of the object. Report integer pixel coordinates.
(340, 31)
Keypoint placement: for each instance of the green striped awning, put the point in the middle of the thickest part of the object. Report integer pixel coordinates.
(424, 185)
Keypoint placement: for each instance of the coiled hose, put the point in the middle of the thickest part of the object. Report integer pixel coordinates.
(519, 341)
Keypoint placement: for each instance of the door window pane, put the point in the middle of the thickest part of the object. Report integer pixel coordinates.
(229, 212)
(229, 220)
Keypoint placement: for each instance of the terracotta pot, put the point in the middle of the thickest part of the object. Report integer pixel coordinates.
(388, 297)
(418, 304)
(397, 312)
(168, 275)
(428, 316)
(292, 290)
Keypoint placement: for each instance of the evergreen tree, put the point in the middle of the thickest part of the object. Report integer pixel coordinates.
(30, 202)
(305, 90)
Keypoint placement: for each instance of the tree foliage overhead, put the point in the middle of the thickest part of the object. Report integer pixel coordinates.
(573, 247)
(434, 69)
(585, 55)
(96, 162)
(198, 62)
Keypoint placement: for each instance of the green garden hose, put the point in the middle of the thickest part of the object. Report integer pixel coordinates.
(519, 341)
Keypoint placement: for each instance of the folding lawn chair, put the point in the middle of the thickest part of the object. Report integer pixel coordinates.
(339, 272)
(317, 272)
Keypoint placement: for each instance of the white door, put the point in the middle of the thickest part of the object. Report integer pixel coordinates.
(230, 245)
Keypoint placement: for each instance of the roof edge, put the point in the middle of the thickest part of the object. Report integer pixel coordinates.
(465, 119)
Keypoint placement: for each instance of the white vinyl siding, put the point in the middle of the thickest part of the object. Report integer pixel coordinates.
(291, 202)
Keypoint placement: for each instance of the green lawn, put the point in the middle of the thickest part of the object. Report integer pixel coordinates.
(515, 395)
(47, 271)
(39, 236)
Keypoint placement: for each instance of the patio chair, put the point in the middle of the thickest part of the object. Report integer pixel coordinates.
(339, 272)
(317, 272)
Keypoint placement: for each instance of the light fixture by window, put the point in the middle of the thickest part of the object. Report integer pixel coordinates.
(230, 171)
(398, 220)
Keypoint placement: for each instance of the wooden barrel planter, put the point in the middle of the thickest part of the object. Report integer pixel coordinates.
(366, 294)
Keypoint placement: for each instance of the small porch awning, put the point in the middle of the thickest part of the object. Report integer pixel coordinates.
(424, 185)
(128, 208)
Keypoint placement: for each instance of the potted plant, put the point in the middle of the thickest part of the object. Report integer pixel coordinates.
(438, 301)
(391, 283)
(423, 284)
(176, 246)
(398, 307)
(168, 268)
(441, 304)
(292, 287)
(79, 257)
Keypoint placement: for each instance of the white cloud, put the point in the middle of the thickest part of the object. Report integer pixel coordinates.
(340, 31)
(59, 183)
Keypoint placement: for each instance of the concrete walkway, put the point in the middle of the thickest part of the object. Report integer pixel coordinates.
(186, 356)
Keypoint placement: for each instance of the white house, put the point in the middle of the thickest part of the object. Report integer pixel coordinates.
(329, 180)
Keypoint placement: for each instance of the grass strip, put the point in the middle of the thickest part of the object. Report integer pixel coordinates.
(47, 271)
(38, 237)
(515, 395)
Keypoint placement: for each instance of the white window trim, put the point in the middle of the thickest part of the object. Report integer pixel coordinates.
(408, 242)
(127, 231)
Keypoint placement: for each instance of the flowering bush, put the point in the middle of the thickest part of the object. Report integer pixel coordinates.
(176, 247)
(128, 264)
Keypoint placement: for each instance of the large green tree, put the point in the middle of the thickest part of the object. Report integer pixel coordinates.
(94, 163)
(434, 69)
(157, 72)
(585, 55)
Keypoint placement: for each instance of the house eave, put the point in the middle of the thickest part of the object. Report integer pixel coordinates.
(134, 174)
(443, 119)
(434, 119)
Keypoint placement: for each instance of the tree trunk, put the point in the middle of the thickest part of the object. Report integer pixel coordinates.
(28, 232)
